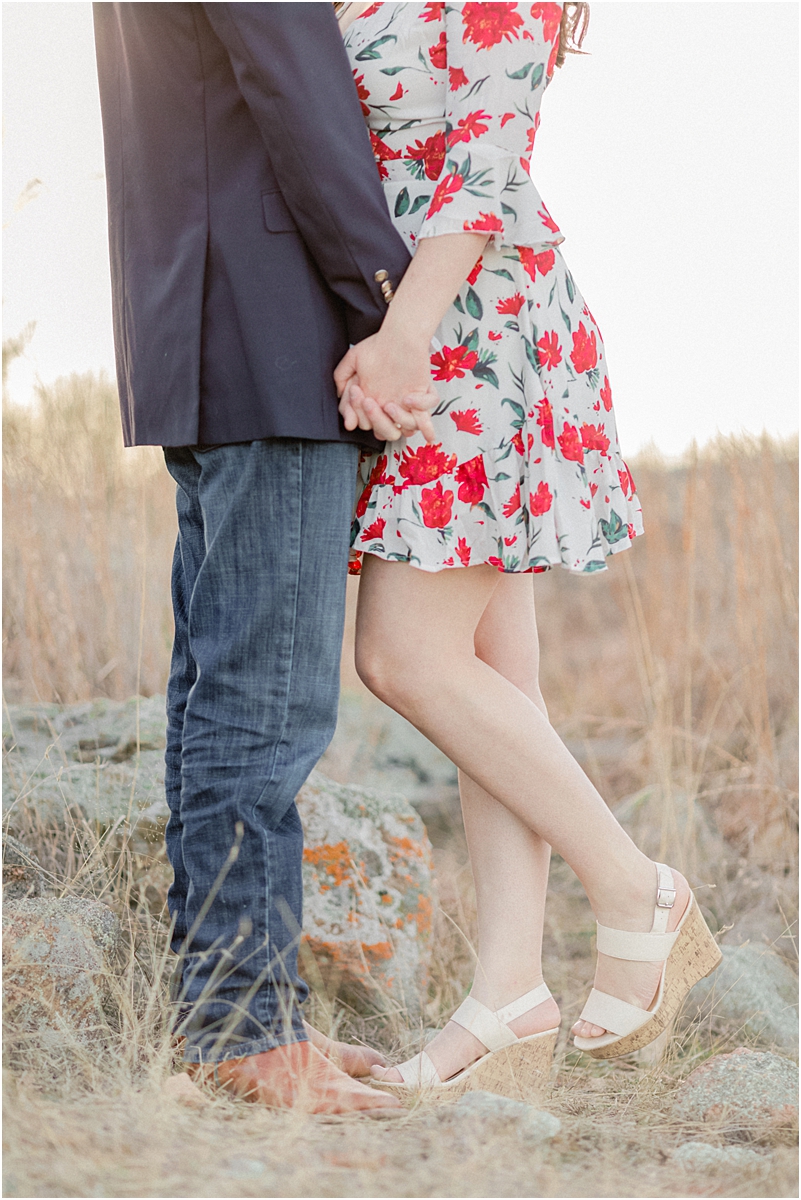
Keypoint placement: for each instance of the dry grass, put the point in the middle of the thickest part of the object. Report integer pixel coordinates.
(672, 677)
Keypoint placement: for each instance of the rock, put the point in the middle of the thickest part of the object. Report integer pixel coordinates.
(85, 756)
(746, 1092)
(22, 874)
(703, 1159)
(754, 987)
(533, 1126)
(368, 894)
(58, 960)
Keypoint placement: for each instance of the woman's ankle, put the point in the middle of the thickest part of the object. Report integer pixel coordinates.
(624, 896)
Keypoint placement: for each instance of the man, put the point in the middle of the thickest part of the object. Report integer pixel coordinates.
(249, 240)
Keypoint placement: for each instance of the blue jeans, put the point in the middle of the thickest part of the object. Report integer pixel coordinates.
(258, 590)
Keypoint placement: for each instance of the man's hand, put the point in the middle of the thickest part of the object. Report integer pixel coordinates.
(384, 384)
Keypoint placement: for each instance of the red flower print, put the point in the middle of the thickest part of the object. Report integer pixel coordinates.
(513, 503)
(430, 153)
(541, 500)
(436, 506)
(494, 561)
(630, 530)
(594, 438)
(593, 488)
(474, 274)
(551, 17)
(467, 421)
(362, 93)
(381, 150)
(550, 352)
(626, 481)
(471, 126)
(363, 501)
(552, 60)
(425, 464)
(531, 133)
(377, 475)
(463, 550)
(606, 394)
(545, 422)
(517, 442)
(584, 355)
(509, 541)
(570, 444)
(453, 363)
(494, 337)
(374, 531)
(456, 78)
(472, 479)
(542, 262)
(445, 190)
(486, 223)
(398, 93)
(585, 503)
(433, 11)
(439, 53)
(547, 219)
(507, 117)
(488, 24)
(512, 306)
(368, 12)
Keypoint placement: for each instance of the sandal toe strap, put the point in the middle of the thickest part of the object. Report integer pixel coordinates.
(616, 1016)
(419, 1071)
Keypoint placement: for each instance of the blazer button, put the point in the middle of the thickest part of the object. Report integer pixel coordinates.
(380, 276)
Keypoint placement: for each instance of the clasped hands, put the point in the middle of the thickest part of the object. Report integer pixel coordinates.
(384, 384)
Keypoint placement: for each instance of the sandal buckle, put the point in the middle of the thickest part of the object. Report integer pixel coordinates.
(665, 897)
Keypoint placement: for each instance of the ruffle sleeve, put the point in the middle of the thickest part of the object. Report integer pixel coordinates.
(500, 58)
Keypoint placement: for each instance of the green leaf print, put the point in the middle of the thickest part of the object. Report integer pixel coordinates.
(418, 204)
(565, 318)
(485, 508)
(401, 202)
(531, 354)
(571, 287)
(474, 305)
(445, 405)
(521, 74)
(594, 377)
(614, 530)
(516, 408)
(551, 293)
(504, 274)
(392, 70)
(593, 566)
(503, 457)
(477, 86)
(371, 51)
(507, 211)
(482, 370)
(471, 341)
(457, 304)
(499, 478)
(536, 76)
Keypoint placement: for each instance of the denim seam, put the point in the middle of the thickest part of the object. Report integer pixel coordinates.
(195, 1054)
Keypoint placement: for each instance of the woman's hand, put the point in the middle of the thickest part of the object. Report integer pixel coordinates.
(384, 384)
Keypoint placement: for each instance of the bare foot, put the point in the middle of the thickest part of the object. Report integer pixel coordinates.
(182, 1090)
(635, 982)
(295, 1076)
(454, 1048)
(353, 1060)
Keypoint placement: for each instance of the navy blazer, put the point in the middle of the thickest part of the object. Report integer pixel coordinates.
(246, 219)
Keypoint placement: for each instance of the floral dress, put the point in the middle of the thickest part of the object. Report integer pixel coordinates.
(526, 472)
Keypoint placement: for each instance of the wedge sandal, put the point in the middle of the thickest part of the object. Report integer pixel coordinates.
(518, 1068)
(689, 953)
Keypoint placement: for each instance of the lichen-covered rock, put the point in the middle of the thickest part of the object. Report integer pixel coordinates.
(22, 872)
(754, 987)
(746, 1091)
(496, 1113)
(368, 893)
(58, 960)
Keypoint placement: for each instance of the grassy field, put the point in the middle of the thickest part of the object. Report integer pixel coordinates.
(672, 677)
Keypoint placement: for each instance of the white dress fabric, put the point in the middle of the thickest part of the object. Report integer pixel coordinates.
(526, 472)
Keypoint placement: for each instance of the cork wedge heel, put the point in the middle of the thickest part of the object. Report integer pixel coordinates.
(518, 1068)
(689, 953)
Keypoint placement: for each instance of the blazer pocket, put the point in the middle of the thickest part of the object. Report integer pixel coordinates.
(277, 216)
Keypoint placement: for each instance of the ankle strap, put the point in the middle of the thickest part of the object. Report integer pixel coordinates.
(523, 1004)
(645, 947)
(665, 898)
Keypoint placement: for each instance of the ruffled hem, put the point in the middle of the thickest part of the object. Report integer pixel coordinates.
(486, 193)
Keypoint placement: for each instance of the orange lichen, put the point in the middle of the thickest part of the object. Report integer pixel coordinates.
(386, 898)
(335, 859)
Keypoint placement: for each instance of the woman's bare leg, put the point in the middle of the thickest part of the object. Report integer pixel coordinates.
(415, 649)
(509, 861)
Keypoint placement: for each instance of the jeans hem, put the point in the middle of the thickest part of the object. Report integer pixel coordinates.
(195, 1054)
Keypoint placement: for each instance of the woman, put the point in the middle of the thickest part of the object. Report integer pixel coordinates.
(522, 472)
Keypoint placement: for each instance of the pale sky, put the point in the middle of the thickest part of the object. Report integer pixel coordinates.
(668, 157)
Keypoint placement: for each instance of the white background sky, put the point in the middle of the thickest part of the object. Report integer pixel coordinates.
(669, 158)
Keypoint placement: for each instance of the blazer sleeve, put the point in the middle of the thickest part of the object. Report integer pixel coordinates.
(293, 72)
